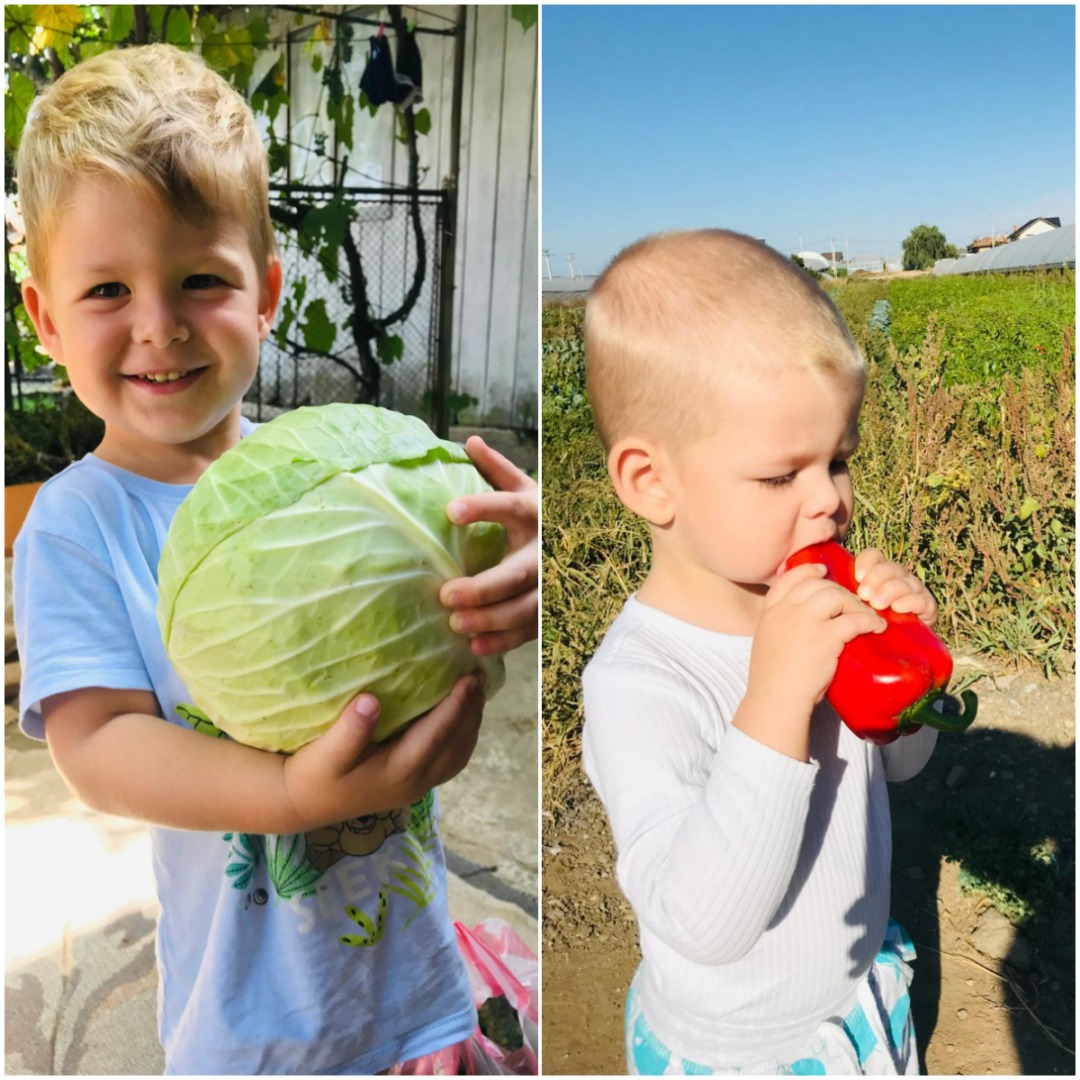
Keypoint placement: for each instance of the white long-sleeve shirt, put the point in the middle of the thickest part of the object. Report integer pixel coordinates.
(760, 883)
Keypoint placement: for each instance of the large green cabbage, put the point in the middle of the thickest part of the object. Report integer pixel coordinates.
(305, 567)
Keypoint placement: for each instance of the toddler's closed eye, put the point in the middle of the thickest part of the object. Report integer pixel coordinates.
(779, 481)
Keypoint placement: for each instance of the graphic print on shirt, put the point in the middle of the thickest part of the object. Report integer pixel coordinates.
(414, 878)
(199, 721)
(295, 863)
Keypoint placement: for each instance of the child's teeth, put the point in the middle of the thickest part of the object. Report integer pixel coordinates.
(171, 376)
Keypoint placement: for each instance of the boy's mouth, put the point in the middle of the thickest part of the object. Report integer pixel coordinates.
(175, 379)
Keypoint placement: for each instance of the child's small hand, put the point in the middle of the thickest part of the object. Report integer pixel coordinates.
(340, 775)
(805, 624)
(884, 584)
(498, 606)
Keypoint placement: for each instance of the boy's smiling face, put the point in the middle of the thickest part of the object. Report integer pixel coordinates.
(158, 323)
(771, 479)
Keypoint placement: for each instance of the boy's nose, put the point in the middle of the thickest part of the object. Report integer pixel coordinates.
(827, 497)
(158, 324)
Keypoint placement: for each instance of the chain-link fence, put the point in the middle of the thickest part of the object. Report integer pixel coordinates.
(319, 359)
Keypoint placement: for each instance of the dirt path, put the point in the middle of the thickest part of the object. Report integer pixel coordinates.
(988, 998)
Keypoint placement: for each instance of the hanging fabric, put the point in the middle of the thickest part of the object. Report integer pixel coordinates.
(409, 73)
(379, 81)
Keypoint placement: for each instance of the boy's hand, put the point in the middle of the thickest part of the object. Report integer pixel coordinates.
(884, 584)
(340, 775)
(804, 626)
(500, 605)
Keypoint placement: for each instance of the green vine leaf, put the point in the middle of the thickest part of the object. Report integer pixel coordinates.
(121, 21)
(178, 29)
(19, 96)
(319, 332)
(526, 14)
(390, 347)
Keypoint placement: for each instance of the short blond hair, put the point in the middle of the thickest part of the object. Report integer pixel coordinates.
(664, 321)
(155, 118)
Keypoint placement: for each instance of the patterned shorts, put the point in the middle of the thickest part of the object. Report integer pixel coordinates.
(876, 1038)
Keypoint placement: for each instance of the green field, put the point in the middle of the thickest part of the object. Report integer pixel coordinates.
(966, 472)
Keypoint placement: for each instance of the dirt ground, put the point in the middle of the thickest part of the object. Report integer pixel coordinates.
(987, 997)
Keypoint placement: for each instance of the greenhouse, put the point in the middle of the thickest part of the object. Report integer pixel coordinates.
(1042, 252)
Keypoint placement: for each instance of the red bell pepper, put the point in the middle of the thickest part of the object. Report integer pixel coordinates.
(889, 684)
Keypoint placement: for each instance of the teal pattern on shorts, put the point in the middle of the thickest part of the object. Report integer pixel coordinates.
(876, 1038)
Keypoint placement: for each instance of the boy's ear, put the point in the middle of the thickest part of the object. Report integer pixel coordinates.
(269, 295)
(636, 470)
(36, 304)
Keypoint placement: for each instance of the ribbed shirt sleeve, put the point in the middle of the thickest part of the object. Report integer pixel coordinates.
(707, 821)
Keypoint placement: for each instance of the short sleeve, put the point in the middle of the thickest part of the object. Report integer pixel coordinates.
(72, 625)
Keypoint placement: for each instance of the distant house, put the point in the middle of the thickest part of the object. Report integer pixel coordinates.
(1031, 228)
(984, 243)
(1034, 227)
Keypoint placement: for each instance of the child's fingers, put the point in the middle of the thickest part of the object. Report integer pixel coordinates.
(831, 601)
(866, 560)
(917, 603)
(414, 750)
(794, 581)
(502, 641)
(449, 734)
(516, 574)
(852, 624)
(512, 614)
(885, 593)
(497, 470)
(339, 748)
(509, 508)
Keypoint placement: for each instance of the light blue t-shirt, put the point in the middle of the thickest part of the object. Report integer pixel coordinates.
(255, 973)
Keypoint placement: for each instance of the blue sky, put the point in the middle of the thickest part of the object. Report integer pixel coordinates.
(854, 123)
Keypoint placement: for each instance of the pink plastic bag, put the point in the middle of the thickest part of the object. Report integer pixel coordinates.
(499, 964)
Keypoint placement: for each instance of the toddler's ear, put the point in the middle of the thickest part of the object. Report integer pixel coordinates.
(36, 305)
(635, 469)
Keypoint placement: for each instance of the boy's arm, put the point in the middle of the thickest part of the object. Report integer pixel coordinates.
(707, 838)
(119, 756)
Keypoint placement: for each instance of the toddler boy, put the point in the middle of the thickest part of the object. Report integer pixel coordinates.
(286, 942)
(752, 826)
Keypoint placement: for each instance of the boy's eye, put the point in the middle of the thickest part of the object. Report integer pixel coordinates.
(779, 481)
(109, 291)
(203, 281)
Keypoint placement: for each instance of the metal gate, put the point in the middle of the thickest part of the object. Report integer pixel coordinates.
(390, 265)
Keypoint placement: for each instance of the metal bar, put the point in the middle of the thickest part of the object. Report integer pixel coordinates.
(393, 193)
(447, 257)
(359, 19)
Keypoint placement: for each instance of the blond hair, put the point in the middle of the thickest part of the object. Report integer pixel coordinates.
(673, 317)
(157, 119)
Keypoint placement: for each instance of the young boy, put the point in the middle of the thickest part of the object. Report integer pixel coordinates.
(752, 826)
(155, 276)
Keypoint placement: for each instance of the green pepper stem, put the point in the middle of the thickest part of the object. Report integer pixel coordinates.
(950, 715)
